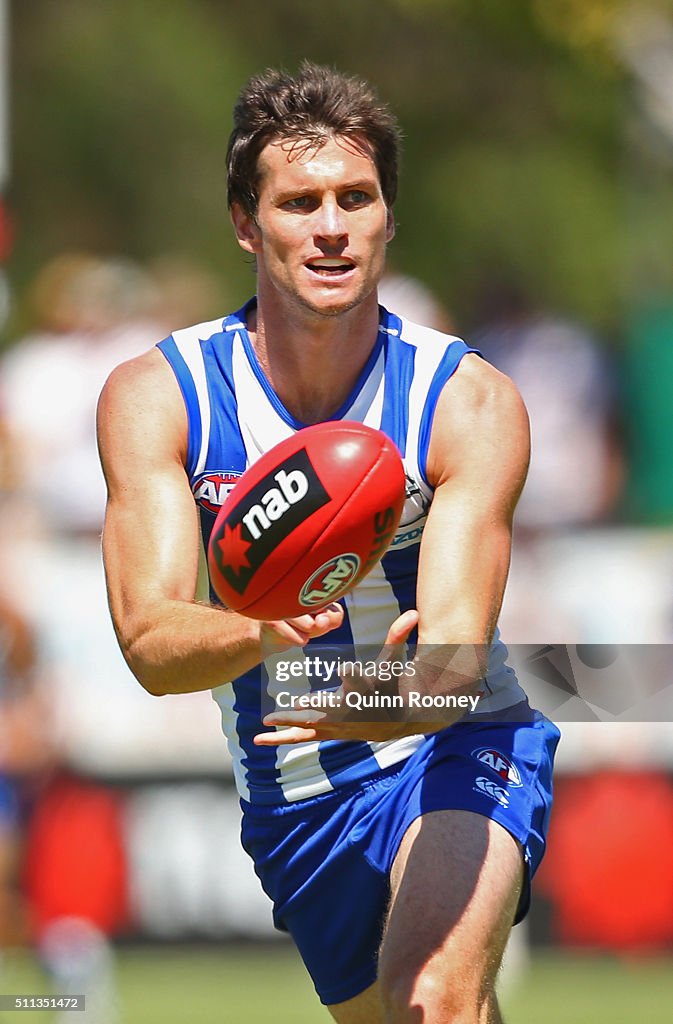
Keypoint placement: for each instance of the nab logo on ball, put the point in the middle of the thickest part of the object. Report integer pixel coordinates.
(275, 502)
(330, 580)
(211, 490)
(267, 514)
(500, 764)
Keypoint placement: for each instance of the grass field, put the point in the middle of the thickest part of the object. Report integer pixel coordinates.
(229, 986)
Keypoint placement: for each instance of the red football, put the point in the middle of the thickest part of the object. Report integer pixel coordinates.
(307, 521)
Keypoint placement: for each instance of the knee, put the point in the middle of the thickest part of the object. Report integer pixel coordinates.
(432, 997)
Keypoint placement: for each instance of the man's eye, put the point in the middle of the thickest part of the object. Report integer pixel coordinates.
(356, 197)
(298, 203)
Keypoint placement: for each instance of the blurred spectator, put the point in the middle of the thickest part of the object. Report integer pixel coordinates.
(569, 385)
(74, 875)
(90, 314)
(187, 293)
(26, 755)
(413, 300)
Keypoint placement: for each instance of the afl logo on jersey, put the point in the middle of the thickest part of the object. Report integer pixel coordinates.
(500, 764)
(211, 489)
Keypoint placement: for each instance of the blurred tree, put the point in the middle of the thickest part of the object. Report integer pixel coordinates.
(120, 115)
(513, 118)
(593, 26)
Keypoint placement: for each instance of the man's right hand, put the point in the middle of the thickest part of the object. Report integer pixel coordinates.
(282, 634)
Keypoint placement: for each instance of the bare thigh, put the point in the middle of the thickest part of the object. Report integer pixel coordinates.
(455, 886)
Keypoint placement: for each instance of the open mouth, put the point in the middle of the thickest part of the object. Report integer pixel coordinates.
(327, 266)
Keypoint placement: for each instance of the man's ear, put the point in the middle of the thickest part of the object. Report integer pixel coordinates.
(245, 226)
(390, 225)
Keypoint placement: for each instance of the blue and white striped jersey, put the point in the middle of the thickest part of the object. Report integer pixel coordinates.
(234, 417)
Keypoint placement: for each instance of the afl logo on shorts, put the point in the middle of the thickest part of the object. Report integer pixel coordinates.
(211, 489)
(500, 764)
(330, 580)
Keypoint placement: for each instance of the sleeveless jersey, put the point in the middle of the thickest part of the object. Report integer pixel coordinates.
(234, 416)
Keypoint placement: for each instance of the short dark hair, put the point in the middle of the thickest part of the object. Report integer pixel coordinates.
(314, 105)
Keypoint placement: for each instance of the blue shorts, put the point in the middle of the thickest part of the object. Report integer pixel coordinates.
(325, 862)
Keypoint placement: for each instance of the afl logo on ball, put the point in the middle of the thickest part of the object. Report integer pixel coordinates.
(330, 580)
(210, 490)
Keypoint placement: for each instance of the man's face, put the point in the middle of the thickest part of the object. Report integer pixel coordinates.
(321, 228)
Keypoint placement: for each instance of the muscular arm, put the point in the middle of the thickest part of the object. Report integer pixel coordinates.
(151, 545)
(477, 463)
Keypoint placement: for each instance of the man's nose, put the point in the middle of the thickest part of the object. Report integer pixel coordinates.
(331, 224)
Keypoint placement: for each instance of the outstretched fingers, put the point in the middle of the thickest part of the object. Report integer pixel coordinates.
(294, 734)
(398, 634)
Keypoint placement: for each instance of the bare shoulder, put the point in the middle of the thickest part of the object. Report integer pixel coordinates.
(477, 387)
(140, 408)
(480, 419)
(147, 376)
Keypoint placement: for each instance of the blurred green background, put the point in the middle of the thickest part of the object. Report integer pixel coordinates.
(271, 987)
(526, 157)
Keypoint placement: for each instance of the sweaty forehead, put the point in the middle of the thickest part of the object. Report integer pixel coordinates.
(299, 159)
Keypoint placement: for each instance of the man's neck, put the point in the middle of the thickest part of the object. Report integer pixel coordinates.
(313, 362)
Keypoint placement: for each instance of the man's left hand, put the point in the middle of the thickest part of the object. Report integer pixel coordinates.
(340, 722)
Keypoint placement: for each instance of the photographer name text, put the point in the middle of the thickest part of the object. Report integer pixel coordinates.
(321, 700)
